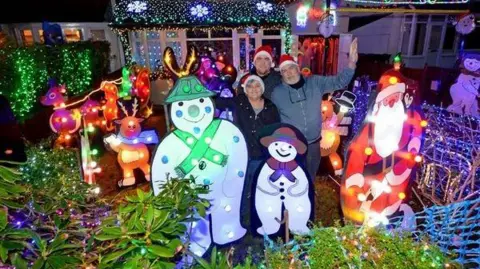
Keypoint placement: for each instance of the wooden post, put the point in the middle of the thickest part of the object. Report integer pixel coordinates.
(286, 222)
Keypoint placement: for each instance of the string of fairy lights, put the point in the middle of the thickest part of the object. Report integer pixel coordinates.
(27, 71)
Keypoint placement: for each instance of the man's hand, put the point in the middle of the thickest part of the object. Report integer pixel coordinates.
(353, 54)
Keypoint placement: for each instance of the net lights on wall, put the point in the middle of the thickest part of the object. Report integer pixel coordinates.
(411, 2)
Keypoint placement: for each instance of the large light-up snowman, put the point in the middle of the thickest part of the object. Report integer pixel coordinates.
(213, 151)
(283, 183)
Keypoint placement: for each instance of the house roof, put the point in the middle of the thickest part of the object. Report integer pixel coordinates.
(25, 11)
(168, 14)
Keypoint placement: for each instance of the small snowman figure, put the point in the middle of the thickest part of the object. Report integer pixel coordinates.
(282, 183)
(213, 151)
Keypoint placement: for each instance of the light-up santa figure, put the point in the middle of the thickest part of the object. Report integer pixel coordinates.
(213, 151)
(381, 158)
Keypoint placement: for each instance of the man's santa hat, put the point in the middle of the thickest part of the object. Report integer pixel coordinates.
(249, 78)
(391, 82)
(285, 60)
(265, 51)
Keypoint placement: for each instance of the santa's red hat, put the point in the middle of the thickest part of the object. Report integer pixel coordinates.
(460, 17)
(248, 78)
(390, 82)
(285, 60)
(266, 51)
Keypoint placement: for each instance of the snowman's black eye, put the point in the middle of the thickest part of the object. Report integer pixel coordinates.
(201, 100)
(289, 147)
(180, 104)
(276, 144)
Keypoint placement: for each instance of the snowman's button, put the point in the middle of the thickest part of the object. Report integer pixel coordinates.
(241, 173)
(236, 139)
(186, 88)
(281, 183)
(282, 197)
(164, 159)
(282, 190)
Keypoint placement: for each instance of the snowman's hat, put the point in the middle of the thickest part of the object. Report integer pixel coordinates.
(346, 99)
(188, 88)
(285, 134)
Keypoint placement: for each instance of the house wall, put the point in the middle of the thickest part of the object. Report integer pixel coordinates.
(117, 59)
(381, 36)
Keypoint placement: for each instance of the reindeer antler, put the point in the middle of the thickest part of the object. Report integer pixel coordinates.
(170, 62)
(134, 106)
(124, 109)
(191, 64)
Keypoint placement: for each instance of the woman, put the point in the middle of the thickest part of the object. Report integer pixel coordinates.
(251, 112)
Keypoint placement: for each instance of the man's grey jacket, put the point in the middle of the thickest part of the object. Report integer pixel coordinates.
(302, 107)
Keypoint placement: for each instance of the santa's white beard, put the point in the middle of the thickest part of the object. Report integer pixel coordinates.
(388, 128)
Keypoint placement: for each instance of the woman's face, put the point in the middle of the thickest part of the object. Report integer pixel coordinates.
(254, 90)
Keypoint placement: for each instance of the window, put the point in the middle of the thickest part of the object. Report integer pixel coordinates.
(419, 39)
(172, 34)
(408, 18)
(450, 36)
(276, 45)
(197, 34)
(407, 29)
(73, 35)
(27, 38)
(154, 50)
(271, 32)
(221, 33)
(97, 34)
(140, 53)
(213, 48)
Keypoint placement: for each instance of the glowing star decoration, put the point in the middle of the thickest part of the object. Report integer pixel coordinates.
(63, 122)
(264, 6)
(130, 143)
(199, 11)
(213, 151)
(137, 6)
(283, 183)
(335, 125)
(382, 158)
(302, 16)
(465, 23)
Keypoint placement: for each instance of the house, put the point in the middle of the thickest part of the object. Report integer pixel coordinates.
(79, 20)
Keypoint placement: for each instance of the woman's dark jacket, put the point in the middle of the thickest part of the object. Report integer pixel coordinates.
(250, 125)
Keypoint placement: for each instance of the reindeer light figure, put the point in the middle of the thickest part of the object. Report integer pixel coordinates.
(62, 121)
(130, 143)
(332, 128)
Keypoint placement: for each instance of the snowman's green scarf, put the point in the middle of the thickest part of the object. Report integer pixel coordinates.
(199, 149)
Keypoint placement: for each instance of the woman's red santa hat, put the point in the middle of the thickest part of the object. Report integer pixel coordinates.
(248, 78)
(285, 60)
(265, 51)
(391, 82)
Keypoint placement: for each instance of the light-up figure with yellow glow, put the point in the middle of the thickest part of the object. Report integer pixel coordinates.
(213, 151)
(130, 143)
(381, 158)
(331, 129)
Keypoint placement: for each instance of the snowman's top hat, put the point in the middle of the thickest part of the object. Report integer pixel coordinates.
(188, 88)
(346, 99)
(285, 134)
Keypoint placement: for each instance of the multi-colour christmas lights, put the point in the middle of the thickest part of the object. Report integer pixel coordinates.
(27, 70)
(410, 2)
(208, 14)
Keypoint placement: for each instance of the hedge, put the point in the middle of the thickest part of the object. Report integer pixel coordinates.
(25, 71)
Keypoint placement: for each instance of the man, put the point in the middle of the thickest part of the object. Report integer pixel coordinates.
(381, 158)
(299, 99)
(263, 67)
